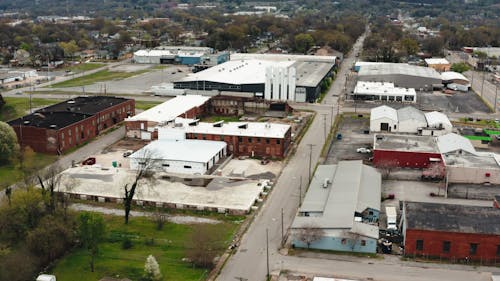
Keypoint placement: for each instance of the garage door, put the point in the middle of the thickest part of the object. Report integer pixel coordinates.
(384, 126)
(145, 135)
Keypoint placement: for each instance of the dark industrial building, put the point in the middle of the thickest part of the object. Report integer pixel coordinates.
(456, 232)
(65, 125)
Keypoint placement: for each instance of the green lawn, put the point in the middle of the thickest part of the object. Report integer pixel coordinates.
(10, 174)
(113, 261)
(144, 105)
(77, 68)
(221, 118)
(17, 107)
(103, 75)
(481, 138)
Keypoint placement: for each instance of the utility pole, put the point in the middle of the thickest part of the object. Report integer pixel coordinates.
(482, 85)
(300, 192)
(267, 251)
(282, 229)
(310, 159)
(496, 98)
(324, 124)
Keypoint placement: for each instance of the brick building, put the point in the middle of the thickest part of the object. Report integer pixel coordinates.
(451, 231)
(144, 124)
(64, 125)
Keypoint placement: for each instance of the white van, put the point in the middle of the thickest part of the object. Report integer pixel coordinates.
(46, 277)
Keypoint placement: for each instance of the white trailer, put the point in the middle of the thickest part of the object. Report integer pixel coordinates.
(390, 211)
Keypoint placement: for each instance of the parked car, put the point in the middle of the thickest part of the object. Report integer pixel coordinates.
(89, 161)
(264, 161)
(127, 153)
(363, 150)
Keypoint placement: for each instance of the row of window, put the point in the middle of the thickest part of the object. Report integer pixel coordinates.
(240, 139)
(446, 247)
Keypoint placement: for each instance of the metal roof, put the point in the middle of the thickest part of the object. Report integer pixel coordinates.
(410, 113)
(384, 111)
(398, 69)
(452, 142)
(436, 61)
(170, 109)
(407, 143)
(451, 75)
(353, 188)
(200, 151)
(435, 118)
(452, 218)
(283, 57)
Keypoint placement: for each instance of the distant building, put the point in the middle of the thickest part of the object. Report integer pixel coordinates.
(60, 127)
(343, 201)
(383, 91)
(439, 64)
(269, 76)
(402, 75)
(456, 232)
(180, 55)
(180, 155)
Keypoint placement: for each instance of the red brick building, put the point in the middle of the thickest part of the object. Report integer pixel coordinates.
(454, 232)
(405, 151)
(246, 138)
(62, 126)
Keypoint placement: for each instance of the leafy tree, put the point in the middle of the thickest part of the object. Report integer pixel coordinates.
(409, 45)
(303, 42)
(91, 231)
(460, 67)
(152, 270)
(70, 48)
(9, 147)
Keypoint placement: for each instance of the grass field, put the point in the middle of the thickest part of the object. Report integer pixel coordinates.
(77, 68)
(144, 105)
(114, 261)
(17, 107)
(10, 174)
(221, 118)
(103, 75)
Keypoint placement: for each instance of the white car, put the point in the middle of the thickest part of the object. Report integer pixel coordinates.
(363, 150)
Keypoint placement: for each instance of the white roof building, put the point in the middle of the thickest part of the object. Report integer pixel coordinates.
(385, 91)
(432, 61)
(282, 57)
(451, 76)
(452, 142)
(170, 109)
(410, 119)
(180, 156)
(383, 118)
(438, 120)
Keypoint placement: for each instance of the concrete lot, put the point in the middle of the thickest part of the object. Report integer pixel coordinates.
(253, 169)
(237, 196)
(137, 84)
(352, 129)
(459, 102)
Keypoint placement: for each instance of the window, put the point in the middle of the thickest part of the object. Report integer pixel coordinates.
(344, 241)
(446, 246)
(69, 133)
(473, 248)
(221, 138)
(267, 141)
(187, 167)
(62, 135)
(165, 165)
(240, 139)
(250, 140)
(498, 250)
(278, 141)
(363, 242)
(420, 245)
(258, 140)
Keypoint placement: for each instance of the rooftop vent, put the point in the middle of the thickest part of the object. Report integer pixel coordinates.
(243, 126)
(218, 124)
(26, 122)
(71, 101)
(53, 126)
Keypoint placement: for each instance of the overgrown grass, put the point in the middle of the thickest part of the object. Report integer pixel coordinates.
(11, 173)
(17, 107)
(77, 68)
(167, 245)
(100, 76)
(145, 105)
(221, 118)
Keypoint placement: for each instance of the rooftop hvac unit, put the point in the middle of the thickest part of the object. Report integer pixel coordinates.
(326, 183)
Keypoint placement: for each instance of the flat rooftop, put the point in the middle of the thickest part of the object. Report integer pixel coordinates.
(86, 105)
(472, 161)
(408, 143)
(170, 109)
(225, 193)
(181, 150)
(49, 120)
(398, 69)
(437, 61)
(245, 129)
(283, 57)
(310, 74)
(452, 218)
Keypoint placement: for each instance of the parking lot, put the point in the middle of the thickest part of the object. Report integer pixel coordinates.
(352, 129)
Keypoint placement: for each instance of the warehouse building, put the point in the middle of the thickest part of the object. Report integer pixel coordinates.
(343, 202)
(383, 91)
(279, 79)
(179, 156)
(465, 168)
(409, 120)
(439, 64)
(402, 75)
(60, 127)
(456, 232)
(180, 55)
(143, 124)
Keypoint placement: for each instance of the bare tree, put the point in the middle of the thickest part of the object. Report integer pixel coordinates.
(386, 166)
(63, 196)
(49, 180)
(144, 170)
(204, 245)
(310, 233)
(159, 218)
(353, 239)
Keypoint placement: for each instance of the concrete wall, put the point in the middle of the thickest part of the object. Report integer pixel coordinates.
(375, 124)
(472, 175)
(338, 243)
(459, 248)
